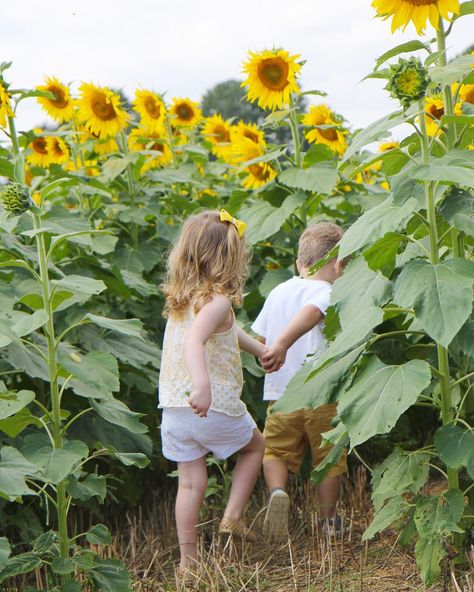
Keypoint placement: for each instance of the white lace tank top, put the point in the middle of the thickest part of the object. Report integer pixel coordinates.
(223, 365)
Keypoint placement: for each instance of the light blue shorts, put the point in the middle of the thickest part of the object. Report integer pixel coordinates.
(186, 437)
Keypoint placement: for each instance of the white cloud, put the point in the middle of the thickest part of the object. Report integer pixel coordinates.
(185, 47)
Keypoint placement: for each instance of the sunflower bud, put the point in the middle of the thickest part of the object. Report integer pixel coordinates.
(16, 198)
(408, 81)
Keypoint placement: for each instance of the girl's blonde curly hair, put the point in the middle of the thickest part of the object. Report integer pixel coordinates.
(208, 257)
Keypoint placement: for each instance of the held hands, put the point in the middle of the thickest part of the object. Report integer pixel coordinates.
(200, 401)
(274, 358)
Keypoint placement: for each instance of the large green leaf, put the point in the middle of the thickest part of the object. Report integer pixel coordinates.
(271, 279)
(376, 223)
(15, 424)
(131, 327)
(404, 187)
(131, 458)
(400, 473)
(4, 552)
(118, 413)
(458, 210)
(111, 576)
(463, 340)
(373, 132)
(11, 402)
(393, 510)
(19, 564)
(379, 395)
(406, 47)
(382, 255)
(97, 372)
(455, 446)
(439, 514)
(92, 486)
(319, 178)
(454, 71)
(314, 385)
(264, 220)
(429, 552)
(14, 467)
(358, 288)
(319, 473)
(440, 294)
(55, 464)
(99, 535)
(80, 285)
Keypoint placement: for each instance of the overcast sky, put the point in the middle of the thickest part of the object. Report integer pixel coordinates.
(184, 47)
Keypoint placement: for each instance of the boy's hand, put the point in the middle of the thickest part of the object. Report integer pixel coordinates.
(200, 401)
(274, 359)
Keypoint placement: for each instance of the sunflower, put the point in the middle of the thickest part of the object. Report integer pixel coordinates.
(390, 145)
(326, 130)
(417, 11)
(57, 150)
(467, 93)
(245, 136)
(408, 81)
(143, 139)
(185, 113)
(218, 133)
(5, 108)
(61, 108)
(434, 111)
(100, 110)
(151, 109)
(39, 155)
(271, 78)
(259, 174)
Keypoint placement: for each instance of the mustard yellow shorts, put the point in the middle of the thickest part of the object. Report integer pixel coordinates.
(288, 434)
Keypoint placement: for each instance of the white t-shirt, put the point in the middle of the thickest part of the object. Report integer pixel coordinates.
(282, 304)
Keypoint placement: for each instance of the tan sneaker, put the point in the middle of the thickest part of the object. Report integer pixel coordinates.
(236, 528)
(275, 524)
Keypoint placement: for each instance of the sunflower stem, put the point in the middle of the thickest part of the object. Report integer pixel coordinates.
(447, 412)
(170, 140)
(295, 133)
(131, 187)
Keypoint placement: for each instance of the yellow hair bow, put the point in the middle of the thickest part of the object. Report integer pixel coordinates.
(239, 224)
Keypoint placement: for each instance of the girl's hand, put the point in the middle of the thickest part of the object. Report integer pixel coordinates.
(200, 401)
(275, 357)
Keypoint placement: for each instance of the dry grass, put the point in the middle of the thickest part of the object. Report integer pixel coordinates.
(309, 561)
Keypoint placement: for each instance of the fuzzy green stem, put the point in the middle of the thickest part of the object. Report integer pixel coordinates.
(295, 134)
(53, 374)
(131, 188)
(447, 411)
(171, 141)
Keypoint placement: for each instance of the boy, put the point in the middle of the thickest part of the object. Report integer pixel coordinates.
(291, 322)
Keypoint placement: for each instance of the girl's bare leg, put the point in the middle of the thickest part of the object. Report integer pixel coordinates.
(192, 482)
(245, 475)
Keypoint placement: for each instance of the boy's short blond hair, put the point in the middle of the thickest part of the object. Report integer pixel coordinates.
(316, 242)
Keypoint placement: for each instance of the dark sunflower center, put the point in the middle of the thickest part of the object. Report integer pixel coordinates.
(436, 112)
(58, 149)
(184, 112)
(39, 145)
(329, 134)
(60, 101)
(251, 136)
(221, 134)
(259, 172)
(158, 146)
(273, 73)
(102, 107)
(152, 107)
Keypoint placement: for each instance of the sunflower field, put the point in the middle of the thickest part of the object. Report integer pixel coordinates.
(89, 208)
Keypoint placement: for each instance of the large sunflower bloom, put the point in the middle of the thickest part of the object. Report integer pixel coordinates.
(185, 113)
(100, 110)
(142, 139)
(39, 155)
(271, 78)
(321, 117)
(61, 108)
(434, 111)
(259, 173)
(218, 133)
(417, 11)
(58, 150)
(5, 108)
(151, 109)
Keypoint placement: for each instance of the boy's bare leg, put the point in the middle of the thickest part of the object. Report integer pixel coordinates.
(328, 495)
(275, 472)
(192, 482)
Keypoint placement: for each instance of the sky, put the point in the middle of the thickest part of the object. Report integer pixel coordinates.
(184, 47)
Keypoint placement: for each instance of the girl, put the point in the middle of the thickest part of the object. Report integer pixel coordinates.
(201, 372)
